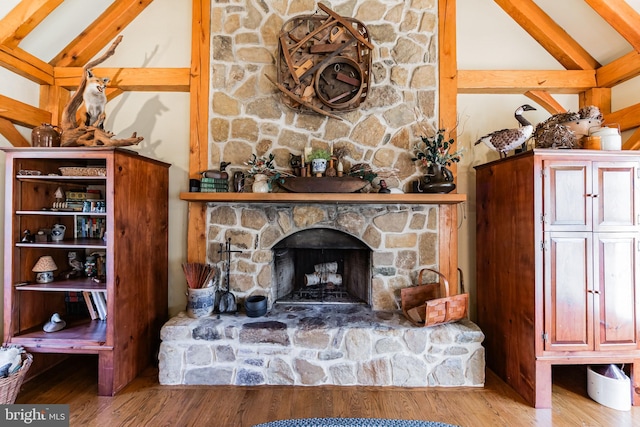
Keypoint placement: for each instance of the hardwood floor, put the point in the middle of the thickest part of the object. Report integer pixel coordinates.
(145, 402)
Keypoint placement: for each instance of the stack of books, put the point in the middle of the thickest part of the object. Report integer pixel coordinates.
(214, 185)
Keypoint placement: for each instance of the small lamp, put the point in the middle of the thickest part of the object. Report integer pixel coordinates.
(44, 269)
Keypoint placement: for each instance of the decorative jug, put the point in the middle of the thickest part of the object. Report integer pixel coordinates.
(45, 135)
(57, 232)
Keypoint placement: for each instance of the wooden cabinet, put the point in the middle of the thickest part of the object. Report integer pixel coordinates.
(127, 226)
(558, 238)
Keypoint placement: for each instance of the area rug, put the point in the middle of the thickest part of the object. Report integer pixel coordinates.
(352, 422)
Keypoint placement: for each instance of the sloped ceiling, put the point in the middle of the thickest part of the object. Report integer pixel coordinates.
(584, 56)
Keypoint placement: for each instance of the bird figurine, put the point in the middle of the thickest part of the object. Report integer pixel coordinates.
(76, 265)
(506, 140)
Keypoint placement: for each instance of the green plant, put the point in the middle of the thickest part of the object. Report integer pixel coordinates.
(264, 165)
(318, 153)
(435, 150)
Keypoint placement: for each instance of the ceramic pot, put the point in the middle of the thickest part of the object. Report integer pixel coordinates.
(57, 232)
(200, 302)
(438, 179)
(318, 165)
(45, 135)
(256, 305)
(260, 183)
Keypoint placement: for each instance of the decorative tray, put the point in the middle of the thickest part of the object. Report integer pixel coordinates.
(347, 184)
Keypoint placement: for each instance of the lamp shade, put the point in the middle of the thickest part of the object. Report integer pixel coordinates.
(45, 263)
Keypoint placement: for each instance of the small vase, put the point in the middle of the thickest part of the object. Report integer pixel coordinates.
(260, 183)
(438, 179)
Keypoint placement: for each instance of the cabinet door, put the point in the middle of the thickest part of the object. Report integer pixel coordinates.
(568, 280)
(614, 196)
(616, 301)
(567, 189)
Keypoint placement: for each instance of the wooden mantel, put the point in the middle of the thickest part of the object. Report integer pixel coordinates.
(447, 216)
(326, 198)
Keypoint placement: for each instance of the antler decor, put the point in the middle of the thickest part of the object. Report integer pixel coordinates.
(82, 135)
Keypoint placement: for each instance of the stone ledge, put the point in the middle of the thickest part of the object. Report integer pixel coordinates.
(318, 345)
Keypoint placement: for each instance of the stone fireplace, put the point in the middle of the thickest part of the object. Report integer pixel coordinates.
(377, 248)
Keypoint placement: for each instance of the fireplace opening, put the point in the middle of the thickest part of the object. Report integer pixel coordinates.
(322, 266)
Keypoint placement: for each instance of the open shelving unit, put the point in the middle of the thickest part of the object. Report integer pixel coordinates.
(132, 239)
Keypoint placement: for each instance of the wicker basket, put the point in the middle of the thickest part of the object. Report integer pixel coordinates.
(422, 306)
(82, 171)
(10, 386)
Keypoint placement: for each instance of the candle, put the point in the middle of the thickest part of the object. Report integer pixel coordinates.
(331, 149)
(340, 167)
(307, 152)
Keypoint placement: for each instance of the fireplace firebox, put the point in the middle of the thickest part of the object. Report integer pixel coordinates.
(322, 266)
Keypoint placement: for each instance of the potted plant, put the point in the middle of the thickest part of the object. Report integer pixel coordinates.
(262, 170)
(318, 158)
(434, 154)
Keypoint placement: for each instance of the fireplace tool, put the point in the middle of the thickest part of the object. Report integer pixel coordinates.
(226, 301)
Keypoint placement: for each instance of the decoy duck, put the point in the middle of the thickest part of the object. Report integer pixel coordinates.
(506, 140)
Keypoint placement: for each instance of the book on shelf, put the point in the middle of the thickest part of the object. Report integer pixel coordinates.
(96, 304)
(90, 307)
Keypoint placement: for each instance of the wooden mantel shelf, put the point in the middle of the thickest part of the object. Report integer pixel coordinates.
(327, 198)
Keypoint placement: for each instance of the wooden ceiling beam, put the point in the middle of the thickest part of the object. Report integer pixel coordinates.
(23, 18)
(619, 70)
(522, 81)
(130, 79)
(633, 142)
(548, 34)
(598, 96)
(9, 131)
(104, 29)
(546, 101)
(622, 17)
(22, 114)
(26, 65)
(628, 118)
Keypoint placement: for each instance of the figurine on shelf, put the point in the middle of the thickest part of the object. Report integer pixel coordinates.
(76, 265)
(55, 324)
(383, 187)
(27, 237)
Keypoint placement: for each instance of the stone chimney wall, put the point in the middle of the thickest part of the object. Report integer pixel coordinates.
(248, 117)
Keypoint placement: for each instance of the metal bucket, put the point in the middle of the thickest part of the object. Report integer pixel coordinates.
(200, 302)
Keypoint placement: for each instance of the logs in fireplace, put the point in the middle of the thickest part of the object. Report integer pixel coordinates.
(321, 265)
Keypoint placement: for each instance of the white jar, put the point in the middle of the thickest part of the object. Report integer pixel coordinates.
(260, 183)
(610, 138)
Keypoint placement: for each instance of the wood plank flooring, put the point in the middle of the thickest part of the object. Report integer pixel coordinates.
(145, 402)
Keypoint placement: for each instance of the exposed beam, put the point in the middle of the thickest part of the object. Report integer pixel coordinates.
(633, 142)
(627, 118)
(130, 79)
(546, 101)
(106, 27)
(9, 131)
(522, 81)
(550, 35)
(23, 18)
(600, 97)
(622, 17)
(26, 65)
(619, 70)
(447, 110)
(22, 114)
(199, 124)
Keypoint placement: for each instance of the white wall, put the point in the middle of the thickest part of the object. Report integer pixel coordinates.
(159, 37)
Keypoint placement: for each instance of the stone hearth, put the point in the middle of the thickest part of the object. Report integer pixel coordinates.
(317, 345)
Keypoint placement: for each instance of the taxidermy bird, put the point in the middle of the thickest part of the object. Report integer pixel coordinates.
(506, 140)
(76, 265)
